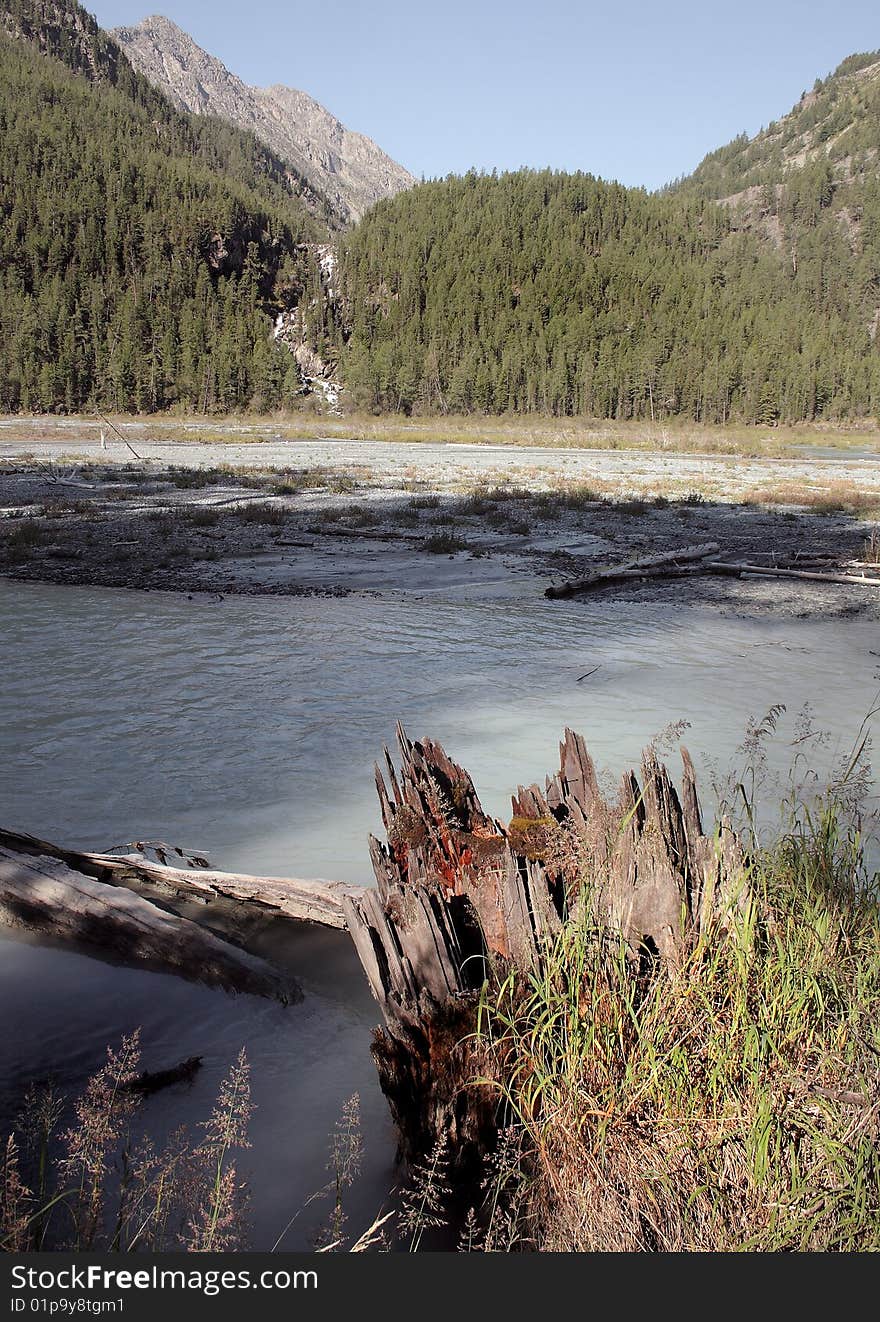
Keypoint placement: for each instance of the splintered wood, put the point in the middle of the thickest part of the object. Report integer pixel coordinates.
(458, 891)
(455, 887)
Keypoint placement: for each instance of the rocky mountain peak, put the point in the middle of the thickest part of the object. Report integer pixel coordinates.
(349, 169)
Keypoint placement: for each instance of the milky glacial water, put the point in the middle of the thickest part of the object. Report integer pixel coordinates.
(248, 728)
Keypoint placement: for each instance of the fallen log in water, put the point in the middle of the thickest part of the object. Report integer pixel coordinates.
(311, 901)
(641, 568)
(45, 894)
(459, 893)
(150, 1081)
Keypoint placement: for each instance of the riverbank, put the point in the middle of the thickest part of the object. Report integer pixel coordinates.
(712, 1104)
(331, 517)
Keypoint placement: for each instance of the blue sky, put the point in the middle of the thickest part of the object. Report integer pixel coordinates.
(634, 91)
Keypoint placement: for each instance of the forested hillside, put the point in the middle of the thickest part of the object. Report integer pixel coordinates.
(66, 31)
(562, 294)
(143, 253)
(837, 125)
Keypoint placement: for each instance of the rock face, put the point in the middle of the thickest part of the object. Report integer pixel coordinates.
(347, 168)
(63, 30)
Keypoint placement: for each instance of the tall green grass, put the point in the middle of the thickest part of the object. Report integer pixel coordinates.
(731, 1102)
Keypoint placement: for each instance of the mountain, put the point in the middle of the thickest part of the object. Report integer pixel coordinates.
(836, 125)
(556, 293)
(144, 254)
(154, 258)
(67, 32)
(346, 167)
(749, 290)
(807, 182)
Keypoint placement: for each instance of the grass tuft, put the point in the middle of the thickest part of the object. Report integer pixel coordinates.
(262, 512)
(729, 1103)
(444, 542)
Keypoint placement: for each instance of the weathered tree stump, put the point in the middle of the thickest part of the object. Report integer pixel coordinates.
(459, 894)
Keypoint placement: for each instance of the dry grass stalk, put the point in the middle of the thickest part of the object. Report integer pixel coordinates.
(733, 1102)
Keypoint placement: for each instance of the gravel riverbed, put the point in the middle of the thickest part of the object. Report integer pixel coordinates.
(497, 522)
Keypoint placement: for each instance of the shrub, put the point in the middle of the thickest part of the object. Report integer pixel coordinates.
(204, 517)
(25, 536)
(262, 512)
(444, 542)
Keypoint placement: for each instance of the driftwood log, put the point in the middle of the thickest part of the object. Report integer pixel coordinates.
(150, 1081)
(644, 567)
(692, 560)
(459, 893)
(744, 570)
(302, 900)
(45, 894)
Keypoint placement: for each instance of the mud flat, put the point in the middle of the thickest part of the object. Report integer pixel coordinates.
(492, 522)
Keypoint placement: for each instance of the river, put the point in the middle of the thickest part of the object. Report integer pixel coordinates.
(247, 728)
